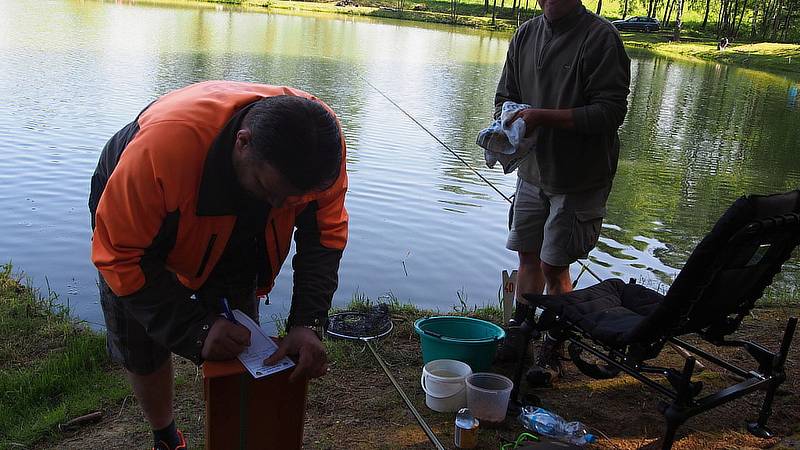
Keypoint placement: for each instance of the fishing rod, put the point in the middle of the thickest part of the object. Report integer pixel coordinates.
(427, 429)
(584, 267)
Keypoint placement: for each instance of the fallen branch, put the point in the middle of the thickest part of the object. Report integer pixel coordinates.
(73, 424)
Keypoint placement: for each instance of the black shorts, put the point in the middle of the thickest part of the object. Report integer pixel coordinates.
(129, 344)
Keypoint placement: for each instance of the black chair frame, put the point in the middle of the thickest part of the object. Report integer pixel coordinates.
(681, 394)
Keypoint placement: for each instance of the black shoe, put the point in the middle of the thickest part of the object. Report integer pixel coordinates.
(161, 445)
(510, 349)
(548, 368)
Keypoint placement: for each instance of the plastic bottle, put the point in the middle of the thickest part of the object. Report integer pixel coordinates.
(551, 425)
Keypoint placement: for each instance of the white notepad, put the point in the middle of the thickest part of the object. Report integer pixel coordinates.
(261, 347)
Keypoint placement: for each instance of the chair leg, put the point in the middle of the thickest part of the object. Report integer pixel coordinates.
(527, 334)
(759, 428)
(669, 436)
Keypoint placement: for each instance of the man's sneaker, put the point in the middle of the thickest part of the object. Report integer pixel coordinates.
(161, 445)
(548, 368)
(510, 349)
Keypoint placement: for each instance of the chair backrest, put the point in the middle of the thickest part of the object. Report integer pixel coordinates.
(730, 268)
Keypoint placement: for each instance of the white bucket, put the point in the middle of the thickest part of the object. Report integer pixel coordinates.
(443, 383)
(488, 395)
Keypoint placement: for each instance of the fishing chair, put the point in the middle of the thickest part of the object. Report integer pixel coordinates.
(625, 325)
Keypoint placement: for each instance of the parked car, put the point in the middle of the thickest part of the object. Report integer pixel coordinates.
(637, 23)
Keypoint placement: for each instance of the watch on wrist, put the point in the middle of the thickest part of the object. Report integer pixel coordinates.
(317, 329)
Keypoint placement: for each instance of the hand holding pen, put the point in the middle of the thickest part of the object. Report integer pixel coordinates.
(226, 337)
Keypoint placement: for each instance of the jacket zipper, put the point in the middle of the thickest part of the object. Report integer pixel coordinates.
(543, 53)
(275, 241)
(206, 256)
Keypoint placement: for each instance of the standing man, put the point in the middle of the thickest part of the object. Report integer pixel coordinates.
(197, 200)
(571, 66)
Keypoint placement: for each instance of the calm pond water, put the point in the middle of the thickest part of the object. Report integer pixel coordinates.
(424, 228)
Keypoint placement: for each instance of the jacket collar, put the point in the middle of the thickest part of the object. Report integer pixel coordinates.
(219, 192)
(568, 21)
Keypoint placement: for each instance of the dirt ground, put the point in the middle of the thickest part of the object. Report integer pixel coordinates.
(356, 407)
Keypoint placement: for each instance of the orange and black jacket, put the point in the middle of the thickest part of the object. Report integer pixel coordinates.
(163, 202)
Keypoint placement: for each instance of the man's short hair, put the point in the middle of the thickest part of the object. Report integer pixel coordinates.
(299, 137)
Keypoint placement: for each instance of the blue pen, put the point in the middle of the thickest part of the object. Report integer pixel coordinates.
(226, 308)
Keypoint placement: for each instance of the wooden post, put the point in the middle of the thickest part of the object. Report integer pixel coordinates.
(253, 414)
(509, 288)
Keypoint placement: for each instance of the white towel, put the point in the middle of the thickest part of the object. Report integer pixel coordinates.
(506, 144)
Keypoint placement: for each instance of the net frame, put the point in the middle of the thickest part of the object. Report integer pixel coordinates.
(378, 313)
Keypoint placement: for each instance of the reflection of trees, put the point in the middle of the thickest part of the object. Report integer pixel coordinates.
(226, 45)
(469, 108)
(697, 136)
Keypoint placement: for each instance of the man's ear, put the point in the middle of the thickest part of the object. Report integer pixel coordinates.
(243, 139)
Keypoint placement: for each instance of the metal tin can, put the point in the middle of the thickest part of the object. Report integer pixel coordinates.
(466, 429)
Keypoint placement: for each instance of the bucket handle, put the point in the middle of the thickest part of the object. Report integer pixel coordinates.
(448, 338)
(422, 379)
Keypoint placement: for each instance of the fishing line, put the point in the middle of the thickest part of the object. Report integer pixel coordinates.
(437, 139)
(584, 267)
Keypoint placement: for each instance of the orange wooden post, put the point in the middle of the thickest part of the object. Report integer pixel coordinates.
(253, 414)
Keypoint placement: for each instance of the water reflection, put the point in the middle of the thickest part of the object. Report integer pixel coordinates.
(424, 226)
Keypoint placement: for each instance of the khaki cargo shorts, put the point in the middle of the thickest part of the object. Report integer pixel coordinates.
(560, 228)
(127, 340)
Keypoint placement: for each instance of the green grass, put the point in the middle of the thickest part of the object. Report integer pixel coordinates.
(51, 369)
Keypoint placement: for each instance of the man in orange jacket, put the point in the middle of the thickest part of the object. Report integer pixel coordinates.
(197, 200)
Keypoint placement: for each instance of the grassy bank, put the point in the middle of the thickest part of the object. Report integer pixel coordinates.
(356, 407)
(766, 56)
(51, 369)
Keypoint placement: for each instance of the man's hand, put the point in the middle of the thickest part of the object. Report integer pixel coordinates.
(531, 117)
(225, 340)
(304, 342)
(537, 117)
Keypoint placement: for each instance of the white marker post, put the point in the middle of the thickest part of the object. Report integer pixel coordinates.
(509, 288)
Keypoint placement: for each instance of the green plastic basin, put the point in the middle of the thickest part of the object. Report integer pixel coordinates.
(472, 341)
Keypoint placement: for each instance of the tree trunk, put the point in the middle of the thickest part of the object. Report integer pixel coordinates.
(720, 26)
(650, 8)
(732, 20)
(667, 13)
(485, 6)
(599, 7)
(741, 17)
(768, 6)
(705, 17)
(625, 10)
(754, 25)
(494, 11)
(775, 20)
(678, 22)
(787, 22)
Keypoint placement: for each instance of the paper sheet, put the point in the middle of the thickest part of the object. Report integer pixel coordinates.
(261, 347)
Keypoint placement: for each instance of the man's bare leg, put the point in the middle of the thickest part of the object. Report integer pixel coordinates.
(530, 278)
(155, 393)
(557, 278)
(548, 367)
